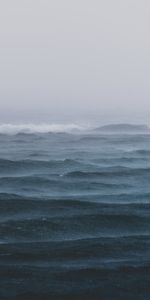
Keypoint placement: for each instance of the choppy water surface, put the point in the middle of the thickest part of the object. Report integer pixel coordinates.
(74, 216)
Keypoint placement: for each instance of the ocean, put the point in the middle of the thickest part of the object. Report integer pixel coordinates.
(74, 213)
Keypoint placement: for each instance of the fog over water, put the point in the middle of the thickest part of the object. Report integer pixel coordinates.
(70, 61)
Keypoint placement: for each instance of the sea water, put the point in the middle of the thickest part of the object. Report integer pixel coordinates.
(74, 214)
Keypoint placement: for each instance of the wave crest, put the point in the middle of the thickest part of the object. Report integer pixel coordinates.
(12, 129)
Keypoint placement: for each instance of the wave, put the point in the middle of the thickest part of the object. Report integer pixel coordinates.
(75, 168)
(31, 128)
(7, 165)
(123, 127)
(73, 227)
(12, 129)
(142, 152)
(134, 200)
(109, 172)
(35, 187)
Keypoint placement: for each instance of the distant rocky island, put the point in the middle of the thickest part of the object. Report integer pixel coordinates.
(116, 128)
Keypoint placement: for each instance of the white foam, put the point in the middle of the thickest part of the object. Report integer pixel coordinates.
(12, 129)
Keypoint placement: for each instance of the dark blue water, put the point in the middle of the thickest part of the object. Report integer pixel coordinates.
(75, 216)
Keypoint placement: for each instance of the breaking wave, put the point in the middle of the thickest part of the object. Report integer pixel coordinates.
(12, 129)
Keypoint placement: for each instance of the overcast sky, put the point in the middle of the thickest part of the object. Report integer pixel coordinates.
(61, 59)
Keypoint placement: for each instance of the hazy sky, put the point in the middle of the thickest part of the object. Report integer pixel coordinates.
(60, 59)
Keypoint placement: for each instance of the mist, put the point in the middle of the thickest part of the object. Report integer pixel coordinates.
(65, 61)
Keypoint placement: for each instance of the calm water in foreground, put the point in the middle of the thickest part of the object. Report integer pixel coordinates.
(75, 216)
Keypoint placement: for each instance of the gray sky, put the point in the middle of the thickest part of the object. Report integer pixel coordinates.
(63, 59)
